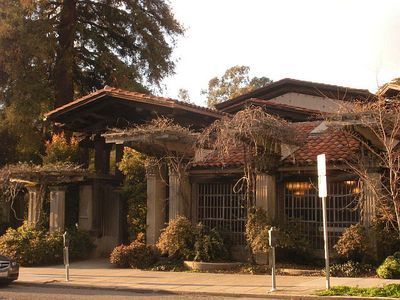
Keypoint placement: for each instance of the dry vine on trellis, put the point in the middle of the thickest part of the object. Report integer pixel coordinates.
(256, 134)
(15, 178)
(159, 134)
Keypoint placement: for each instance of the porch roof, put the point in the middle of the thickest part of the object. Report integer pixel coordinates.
(112, 107)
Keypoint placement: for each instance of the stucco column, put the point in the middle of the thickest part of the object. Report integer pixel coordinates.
(86, 207)
(57, 208)
(33, 205)
(156, 197)
(179, 194)
(266, 194)
(369, 202)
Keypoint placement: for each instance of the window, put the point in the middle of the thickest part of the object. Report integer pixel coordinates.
(219, 207)
(302, 206)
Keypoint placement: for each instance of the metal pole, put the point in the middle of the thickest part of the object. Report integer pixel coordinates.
(273, 289)
(328, 283)
(66, 264)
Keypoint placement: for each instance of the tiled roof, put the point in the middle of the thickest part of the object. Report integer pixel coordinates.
(286, 85)
(127, 95)
(337, 146)
(235, 158)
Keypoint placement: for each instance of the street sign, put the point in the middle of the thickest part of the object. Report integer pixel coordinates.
(321, 164)
(323, 193)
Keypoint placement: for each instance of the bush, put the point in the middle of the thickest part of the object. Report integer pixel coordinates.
(257, 227)
(134, 191)
(59, 149)
(390, 268)
(136, 255)
(81, 244)
(351, 269)
(387, 237)
(209, 245)
(354, 244)
(178, 239)
(182, 240)
(293, 247)
(33, 247)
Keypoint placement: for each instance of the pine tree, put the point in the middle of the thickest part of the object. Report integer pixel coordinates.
(54, 51)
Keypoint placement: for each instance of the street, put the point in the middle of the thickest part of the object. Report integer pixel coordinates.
(17, 291)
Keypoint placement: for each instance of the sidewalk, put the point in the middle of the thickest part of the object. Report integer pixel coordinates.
(100, 274)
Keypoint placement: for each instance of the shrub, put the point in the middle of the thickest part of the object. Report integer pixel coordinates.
(137, 255)
(32, 247)
(134, 191)
(178, 239)
(257, 227)
(182, 240)
(353, 244)
(293, 247)
(390, 268)
(80, 245)
(387, 237)
(209, 245)
(351, 269)
(59, 149)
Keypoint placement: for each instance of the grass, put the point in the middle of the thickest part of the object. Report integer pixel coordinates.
(390, 290)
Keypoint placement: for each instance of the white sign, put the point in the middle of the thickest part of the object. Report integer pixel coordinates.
(321, 165)
(322, 190)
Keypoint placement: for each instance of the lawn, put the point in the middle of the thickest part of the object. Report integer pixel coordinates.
(390, 290)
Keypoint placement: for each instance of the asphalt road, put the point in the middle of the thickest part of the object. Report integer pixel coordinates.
(16, 291)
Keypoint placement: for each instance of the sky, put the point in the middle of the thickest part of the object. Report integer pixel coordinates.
(344, 42)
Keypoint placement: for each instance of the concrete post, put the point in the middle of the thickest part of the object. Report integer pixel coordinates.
(33, 205)
(266, 194)
(369, 202)
(86, 207)
(179, 194)
(156, 197)
(57, 208)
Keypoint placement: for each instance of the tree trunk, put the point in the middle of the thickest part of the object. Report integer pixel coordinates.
(64, 87)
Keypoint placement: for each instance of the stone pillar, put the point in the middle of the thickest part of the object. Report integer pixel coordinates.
(156, 197)
(57, 208)
(84, 152)
(266, 194)
(33, 205)
(179, 194)
(86, 207)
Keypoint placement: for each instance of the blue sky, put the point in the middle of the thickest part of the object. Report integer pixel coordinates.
(345, 42)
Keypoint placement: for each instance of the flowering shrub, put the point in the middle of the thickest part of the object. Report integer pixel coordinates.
(137, 255)
(59, 149)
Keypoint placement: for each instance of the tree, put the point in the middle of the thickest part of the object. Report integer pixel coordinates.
(376, 127)
(54, 51)
(235, 82)
(183, 95)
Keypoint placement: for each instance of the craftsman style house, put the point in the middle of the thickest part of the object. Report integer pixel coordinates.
(287, 192)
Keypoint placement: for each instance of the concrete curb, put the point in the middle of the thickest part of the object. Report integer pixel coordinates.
(188, 293)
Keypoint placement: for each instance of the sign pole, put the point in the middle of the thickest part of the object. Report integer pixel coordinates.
(327, 271)
(323, 193)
